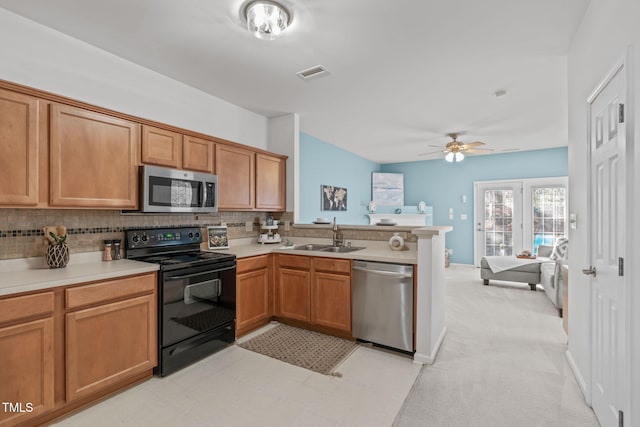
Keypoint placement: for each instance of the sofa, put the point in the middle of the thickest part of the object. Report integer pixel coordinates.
(546, 272)
(551, 275)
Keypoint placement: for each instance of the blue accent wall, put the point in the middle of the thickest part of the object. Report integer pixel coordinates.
(441, 184)
(324, 164)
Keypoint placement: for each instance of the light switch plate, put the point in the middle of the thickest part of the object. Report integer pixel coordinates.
(463, 217)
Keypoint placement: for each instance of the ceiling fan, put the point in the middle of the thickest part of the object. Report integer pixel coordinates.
(455, 150)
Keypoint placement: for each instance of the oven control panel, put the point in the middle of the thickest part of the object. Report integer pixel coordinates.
(158, 237)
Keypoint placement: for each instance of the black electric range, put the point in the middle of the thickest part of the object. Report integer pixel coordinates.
(196, 293)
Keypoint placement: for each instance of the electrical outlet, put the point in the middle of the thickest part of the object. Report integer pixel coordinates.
(463, 217)
(248, 226)
(287, 226)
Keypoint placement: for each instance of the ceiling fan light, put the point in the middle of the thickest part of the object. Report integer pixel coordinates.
(459, 157)
(266, 19)
(449, 157)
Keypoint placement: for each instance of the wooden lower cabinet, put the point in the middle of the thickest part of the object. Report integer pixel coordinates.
(26, 371)
(292, 295)
(254, 300)
(315, 291)
(64, 348)
(331, 300)
(110, 342)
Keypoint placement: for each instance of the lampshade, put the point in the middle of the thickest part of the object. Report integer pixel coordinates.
(266, 19)
(449, 157)
(459, 156)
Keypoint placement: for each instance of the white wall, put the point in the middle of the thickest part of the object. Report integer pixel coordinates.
(608, 28)
(284, 138)
(37, 56)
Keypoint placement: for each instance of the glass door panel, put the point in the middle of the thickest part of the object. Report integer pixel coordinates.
(548, 216)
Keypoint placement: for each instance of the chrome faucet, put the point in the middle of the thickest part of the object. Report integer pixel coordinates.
(337, 234)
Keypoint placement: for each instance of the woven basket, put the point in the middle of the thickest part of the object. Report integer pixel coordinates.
(57, 256)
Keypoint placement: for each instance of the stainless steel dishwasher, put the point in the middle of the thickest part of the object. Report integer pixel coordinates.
(383, 304)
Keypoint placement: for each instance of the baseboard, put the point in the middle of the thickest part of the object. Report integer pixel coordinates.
(578, 376)
(424, 359)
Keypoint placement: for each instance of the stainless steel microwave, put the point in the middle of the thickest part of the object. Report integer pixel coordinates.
(178, 191)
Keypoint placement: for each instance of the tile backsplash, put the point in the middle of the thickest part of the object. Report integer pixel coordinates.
(21, 229)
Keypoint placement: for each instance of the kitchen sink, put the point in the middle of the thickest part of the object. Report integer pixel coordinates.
(311, 247)
(341, 249)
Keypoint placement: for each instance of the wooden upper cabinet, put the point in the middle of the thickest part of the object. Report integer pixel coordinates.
(161, 147)
(270, 182)
(197, 154)
(18, 149)
(235, 168)
(93, 159)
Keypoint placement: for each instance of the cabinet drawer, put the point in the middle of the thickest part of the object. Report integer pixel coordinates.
(24, 307)
(109, 290)
(252, 263)
(332, 265)
(294, 261)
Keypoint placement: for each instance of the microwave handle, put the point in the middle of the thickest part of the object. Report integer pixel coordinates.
(203, 193)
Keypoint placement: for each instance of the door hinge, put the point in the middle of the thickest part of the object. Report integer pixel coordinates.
(620, 419)
(620, 113)
(620, 266)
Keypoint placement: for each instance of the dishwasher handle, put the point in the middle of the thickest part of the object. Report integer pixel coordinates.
(383, 273)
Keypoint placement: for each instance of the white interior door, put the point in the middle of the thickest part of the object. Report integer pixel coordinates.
(498, 217)
(607, 248)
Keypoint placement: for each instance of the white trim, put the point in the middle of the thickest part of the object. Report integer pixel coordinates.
(423, 359)
(579, 379)
(623, 62)
(524, 201)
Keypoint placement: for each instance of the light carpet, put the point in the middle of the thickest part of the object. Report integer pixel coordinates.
(502, 362)
(307, 349)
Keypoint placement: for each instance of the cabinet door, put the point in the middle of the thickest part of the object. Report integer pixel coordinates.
(197, 154)
(108, 343)
(331, 300)
(18, 149)
(292, 294)
(93, 159)
(252, 300)
(236, 177)
(26, 373)
(270, 183)
(161, 147)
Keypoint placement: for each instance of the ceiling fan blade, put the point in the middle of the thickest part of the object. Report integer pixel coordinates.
(478, 150)
(475, 144)
(432, 152)
(437, 146)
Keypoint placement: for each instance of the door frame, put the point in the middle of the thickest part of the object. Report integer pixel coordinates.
(478, 213)
(527, 185)
(622, 63)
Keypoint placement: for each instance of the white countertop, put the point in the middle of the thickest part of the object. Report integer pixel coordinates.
(374, 250)
(32, 274)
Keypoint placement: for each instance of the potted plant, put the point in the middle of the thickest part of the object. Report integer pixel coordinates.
(57, 251)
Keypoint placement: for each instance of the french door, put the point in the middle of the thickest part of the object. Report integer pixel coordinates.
(514, 215)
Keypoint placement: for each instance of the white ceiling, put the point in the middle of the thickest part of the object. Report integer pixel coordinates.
(403, 73)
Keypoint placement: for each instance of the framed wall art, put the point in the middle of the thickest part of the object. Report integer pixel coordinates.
(333, 198)
(387, 189)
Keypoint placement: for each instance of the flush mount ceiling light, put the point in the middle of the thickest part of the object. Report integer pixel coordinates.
(266, 19)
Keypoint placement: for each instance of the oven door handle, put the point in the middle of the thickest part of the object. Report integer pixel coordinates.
(187, 276)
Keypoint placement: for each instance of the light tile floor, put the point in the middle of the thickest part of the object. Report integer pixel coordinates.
(237, 387)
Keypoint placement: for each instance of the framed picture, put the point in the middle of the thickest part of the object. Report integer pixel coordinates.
(333, 198)
(217, 237)
(388, 189)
